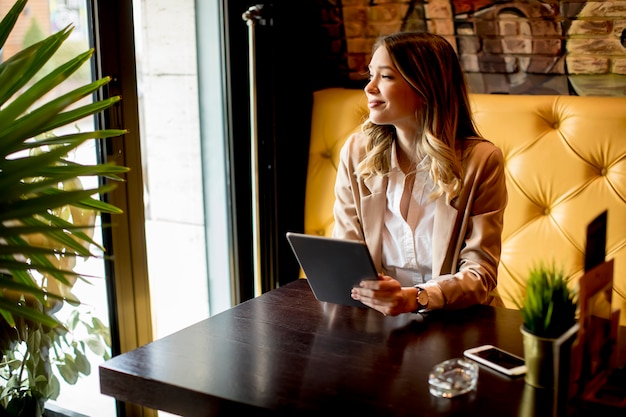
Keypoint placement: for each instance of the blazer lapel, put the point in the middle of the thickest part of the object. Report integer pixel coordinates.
(373, 204)
(446, 217)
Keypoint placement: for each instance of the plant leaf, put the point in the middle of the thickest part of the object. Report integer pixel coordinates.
(8, 22)
(28, 313)
(21, 67)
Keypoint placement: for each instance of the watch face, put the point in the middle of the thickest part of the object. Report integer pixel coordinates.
(422, 298)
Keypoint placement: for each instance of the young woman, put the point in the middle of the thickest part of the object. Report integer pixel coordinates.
(420, 185)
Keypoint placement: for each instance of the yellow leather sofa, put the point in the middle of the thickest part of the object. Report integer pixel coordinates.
(565, 162)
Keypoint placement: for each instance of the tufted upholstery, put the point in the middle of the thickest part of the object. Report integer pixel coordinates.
(565, 162)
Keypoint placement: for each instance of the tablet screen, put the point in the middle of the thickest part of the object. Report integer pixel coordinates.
(333, 266)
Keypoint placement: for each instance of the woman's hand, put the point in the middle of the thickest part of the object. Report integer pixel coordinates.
(386, 295)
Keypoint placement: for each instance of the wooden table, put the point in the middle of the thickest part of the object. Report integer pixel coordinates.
(285, 353)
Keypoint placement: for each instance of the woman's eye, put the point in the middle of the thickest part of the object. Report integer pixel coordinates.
(371, 76)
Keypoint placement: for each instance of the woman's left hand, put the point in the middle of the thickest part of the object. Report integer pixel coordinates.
(386, 295)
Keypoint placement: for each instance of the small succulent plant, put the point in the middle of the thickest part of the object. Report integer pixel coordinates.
(549, 304)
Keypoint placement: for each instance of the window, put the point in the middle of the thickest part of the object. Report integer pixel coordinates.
(164, 276)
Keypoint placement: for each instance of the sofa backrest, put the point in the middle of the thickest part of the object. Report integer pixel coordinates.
(565, 160)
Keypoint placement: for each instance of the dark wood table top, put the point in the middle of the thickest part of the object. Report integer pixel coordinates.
(285, 353)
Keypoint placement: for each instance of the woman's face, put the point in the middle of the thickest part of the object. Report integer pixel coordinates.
(391, 99)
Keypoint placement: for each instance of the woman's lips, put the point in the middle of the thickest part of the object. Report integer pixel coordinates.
(373, 103)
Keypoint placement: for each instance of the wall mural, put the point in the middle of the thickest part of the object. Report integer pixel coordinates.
(506, 47)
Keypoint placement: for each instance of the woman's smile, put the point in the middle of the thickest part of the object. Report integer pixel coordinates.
(374, 103)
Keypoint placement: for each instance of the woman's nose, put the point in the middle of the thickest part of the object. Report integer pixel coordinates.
(370, 87)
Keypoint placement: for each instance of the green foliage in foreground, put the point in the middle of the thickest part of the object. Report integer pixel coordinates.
(47, 220)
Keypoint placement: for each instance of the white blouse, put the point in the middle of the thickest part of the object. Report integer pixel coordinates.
(407, 243)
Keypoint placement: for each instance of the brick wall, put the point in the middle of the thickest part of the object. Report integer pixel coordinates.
(515, 47)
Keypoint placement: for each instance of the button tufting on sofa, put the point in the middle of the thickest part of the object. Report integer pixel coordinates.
(565, 162)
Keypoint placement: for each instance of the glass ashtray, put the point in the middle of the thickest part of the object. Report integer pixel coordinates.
(453, 377)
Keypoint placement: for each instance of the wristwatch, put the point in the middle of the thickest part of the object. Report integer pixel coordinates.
(422, 299)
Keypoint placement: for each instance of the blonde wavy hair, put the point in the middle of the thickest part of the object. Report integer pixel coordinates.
(430, 65)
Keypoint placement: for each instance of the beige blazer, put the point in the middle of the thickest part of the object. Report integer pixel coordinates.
(466, 233)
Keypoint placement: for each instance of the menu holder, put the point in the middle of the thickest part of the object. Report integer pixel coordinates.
(594, 352)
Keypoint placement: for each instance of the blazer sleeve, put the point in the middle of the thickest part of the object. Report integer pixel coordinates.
(347, 196)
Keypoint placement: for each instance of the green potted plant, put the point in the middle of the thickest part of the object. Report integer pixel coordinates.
(548, 308)
(549, 305)
(47, 220)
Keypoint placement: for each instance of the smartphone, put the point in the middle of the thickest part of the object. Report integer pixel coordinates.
(497, 359)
